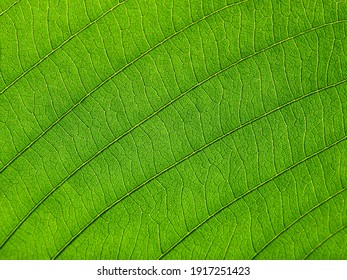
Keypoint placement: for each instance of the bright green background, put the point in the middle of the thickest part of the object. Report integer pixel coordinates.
(183, 129)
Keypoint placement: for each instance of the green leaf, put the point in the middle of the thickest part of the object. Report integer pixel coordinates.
(173, 129)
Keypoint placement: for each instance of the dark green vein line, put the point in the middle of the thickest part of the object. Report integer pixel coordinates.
(179, 162)
(9, 7)
(247, 193)
(297, 220)
(111, 77)
(323, 241)
(149, 117)
(60, 46)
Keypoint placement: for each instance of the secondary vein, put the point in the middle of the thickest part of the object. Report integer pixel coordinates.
(174, 165)
(162, 108)
(108, 79)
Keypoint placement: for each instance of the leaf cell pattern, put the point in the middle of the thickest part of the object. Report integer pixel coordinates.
(173, 129)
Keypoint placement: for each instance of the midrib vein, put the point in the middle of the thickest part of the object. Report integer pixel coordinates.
(108, 79)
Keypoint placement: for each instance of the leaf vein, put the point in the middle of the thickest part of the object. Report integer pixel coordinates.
(250, 191)
(108, 79)
(9, 7)
(323, 241)
(58, 47)
(297, 220)
(178, 162)
(162, 108)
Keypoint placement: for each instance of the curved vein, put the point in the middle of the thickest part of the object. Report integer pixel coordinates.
(111, 77)
(297, 220)
(166, 105)
(323, 241)
(173, 100)
(174, 165)
(9, 7)
(59, 47)
(247, 193)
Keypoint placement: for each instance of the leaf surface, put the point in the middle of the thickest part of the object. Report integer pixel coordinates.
(173, 129)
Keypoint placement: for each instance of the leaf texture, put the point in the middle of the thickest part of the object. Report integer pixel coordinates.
(173, 129)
